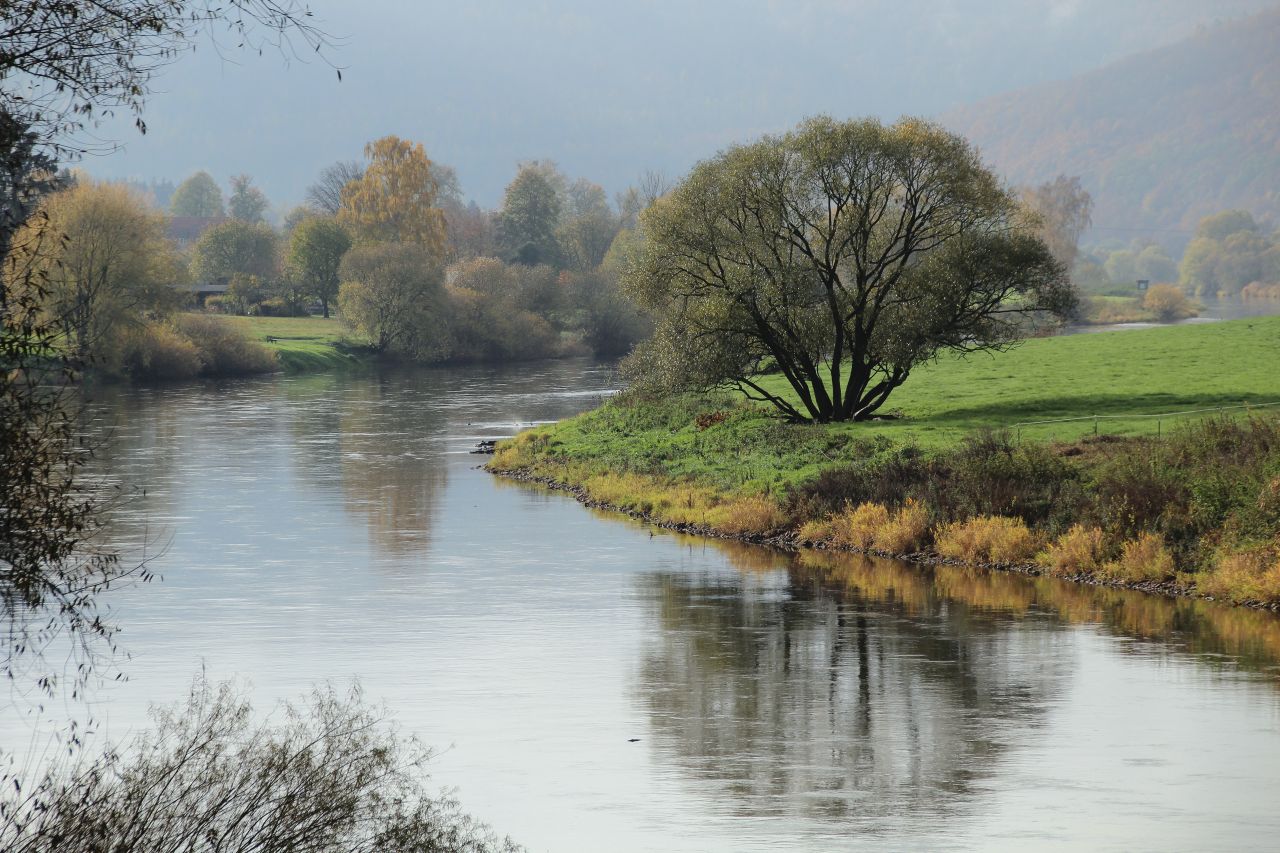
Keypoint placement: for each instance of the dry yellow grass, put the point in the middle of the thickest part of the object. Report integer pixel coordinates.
(1080, 550)
(1244, 576)
(817, 530)
(987, 539)
(747, 515)
(1143, 559)
(856, 527)
(906, 531)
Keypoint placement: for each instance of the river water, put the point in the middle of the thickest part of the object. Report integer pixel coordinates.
(592, 684)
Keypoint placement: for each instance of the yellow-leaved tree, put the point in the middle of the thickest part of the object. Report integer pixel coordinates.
(395, 200)
(113, 268)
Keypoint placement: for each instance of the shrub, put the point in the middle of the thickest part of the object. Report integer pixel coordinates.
(822, 530)
(332, 775)
(988, 474)
(885, 480)
(1168, 302)
(991, 474)
(278, 306)
(987, 539)
(223, 349)
(158, 351)
(1138, 490)
(1145, 558)
(906, 531)
(757, 514)
(1244, 576)
(856, 527)
(1080, 550)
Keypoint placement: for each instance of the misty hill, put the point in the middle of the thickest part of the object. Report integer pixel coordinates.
(1160, 139)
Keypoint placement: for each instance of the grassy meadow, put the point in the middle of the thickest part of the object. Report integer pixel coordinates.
(1117, 375)
(304, 344)
(953, 474)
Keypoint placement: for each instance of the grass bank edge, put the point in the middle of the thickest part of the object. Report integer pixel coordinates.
(1194, 512)
(306, 344)
(1242, 574)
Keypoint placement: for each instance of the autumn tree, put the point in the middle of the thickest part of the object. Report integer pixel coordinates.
(394, 201)
(234, 247)
(198, 195)
(1167, 302)
(529, 217)
(111, 268)
(316, 247)
(587, 226)
(393, 294)
(1230, 251)
(842, 255)
(1064, 209)
(247, 202)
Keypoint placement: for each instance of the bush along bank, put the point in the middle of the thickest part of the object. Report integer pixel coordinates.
(1195, 512)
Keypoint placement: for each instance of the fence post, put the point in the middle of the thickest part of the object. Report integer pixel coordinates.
(1095, 424)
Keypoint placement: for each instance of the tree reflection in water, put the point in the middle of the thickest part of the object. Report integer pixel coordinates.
(801, 700)
(378, 444)
(848, 687)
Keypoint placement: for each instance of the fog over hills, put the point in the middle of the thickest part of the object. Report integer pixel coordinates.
(1160, 139)
(609, 91)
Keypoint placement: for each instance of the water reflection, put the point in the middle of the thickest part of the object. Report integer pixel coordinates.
(852, 691)
(1215, 633)
(382, 448)
(324, 527)
(859, 706)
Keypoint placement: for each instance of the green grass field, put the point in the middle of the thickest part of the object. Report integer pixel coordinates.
(965, 460)
(1123, 377)
(304, 344)
(1116, 375)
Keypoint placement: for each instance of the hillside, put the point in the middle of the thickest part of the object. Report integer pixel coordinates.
(1160, 139)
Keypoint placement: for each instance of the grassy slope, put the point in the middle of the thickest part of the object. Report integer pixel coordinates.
(303, 344)
(1148, 371)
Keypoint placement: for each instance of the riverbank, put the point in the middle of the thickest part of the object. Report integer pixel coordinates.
(969, 472)
(306, 344)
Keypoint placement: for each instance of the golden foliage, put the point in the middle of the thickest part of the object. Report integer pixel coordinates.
(906, 531)
(856, 527)
(1244, 576)
(1080, 549)
(1143, 559)
(1168, 302)
(987, 539)
(395, 200)
(112, 266)
(754, 514)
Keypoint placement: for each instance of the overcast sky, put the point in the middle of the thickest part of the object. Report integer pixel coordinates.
(609, 90)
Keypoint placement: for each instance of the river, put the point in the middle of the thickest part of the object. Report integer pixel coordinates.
(592, 684)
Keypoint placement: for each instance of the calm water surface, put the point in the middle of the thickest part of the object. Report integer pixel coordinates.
(322, 528)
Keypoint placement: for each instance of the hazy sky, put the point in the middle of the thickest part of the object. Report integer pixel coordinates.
(609, 90)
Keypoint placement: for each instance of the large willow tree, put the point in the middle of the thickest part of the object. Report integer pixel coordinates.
(842, 255)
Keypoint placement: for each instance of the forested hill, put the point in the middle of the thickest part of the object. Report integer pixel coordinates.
(1160, 139)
